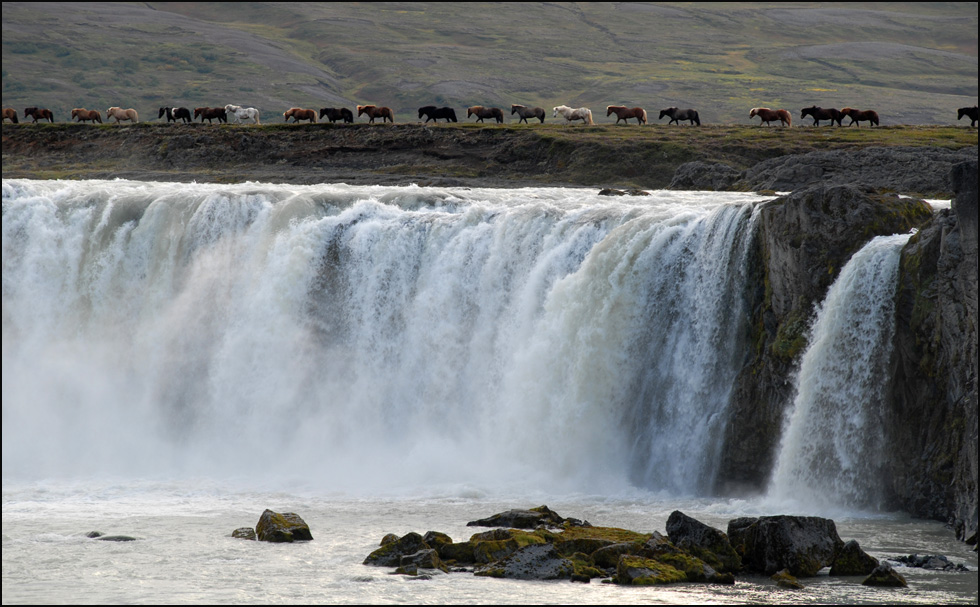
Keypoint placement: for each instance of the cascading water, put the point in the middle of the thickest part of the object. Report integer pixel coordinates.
(370, 335)
(833, 444)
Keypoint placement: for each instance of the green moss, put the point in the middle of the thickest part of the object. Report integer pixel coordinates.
(791, 336)
(639, 571)
(613, 534)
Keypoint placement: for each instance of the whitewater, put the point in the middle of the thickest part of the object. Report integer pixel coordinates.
(179, 357)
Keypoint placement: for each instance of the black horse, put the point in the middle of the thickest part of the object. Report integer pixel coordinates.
(677, 115)
(175, 114)
(434, 113)
(970, 112)
(819, 113)
(334, 114)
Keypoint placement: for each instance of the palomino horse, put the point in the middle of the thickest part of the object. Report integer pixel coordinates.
(819, 113)
(525, 112)
(434, 113)
(970, 112)
(210, 113)
(298, 113)
(39, 114)
(374, 111)
(677, 115)
(583, 113)
(768, 116)
(334, 114)
(624, 113)
(485, 112)
(84, 115)
(858, 116)
(175, 114)
(242, 114)
(120, 114)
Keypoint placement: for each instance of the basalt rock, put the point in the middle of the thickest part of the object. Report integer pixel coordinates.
(801, 544)
(704, 176)
(282, 527)
(707, 543)
(244, 533)
(521, 519)
(391, 553)
(533, 562)
(884, 575)
(851, 560)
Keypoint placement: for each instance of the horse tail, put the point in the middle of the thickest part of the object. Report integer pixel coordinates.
(789, 119)
(697, 119)
(590, 116)
(644, 117)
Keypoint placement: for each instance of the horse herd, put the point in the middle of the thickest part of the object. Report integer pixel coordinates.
(430, 112)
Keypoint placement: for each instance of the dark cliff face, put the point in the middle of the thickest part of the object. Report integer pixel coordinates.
(933, 422)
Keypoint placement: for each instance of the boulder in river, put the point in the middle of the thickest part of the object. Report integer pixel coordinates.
(282, 527)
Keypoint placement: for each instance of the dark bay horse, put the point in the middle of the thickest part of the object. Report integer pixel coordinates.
(10, 114)
(175, 114)
(211, 113)
(84, 115)
(485, 112)
(766, 115)
(298, 113)
(39, 114)
(624, 113)
(525, 112)
(970, 112)
(334, 114)
(819, 113)
(434, 113)
(857, 116)
(677, 115)
(374, 111)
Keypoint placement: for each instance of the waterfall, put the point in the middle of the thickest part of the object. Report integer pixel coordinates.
(833, 444)
(371, 335)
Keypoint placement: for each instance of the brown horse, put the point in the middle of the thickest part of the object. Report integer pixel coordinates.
(969, 112)
(857, 116)
(84, 115)
(120, 114)
(374, 111)
(298, 113)
(485, 112)
(39, 114)
(768, 116)
(210, 114)
(819, 113)
(10, 114)
(624, 113)
(525, 112)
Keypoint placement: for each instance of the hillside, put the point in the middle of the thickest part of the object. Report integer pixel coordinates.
(915, 63)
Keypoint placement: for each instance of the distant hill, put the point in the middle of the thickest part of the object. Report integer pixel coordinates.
(915, 63)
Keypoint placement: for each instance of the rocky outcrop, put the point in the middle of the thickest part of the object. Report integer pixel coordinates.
(282, 527)
(521, 519)
(851, 560)
(707, 543)
(885, 576)
(803, 545)
(932, 422)
(803, 241)
(704, 176)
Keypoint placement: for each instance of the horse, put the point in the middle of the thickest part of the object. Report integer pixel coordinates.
(583, 113)
(766, 115)
(120, 114)
(84, 115)
(434, 113)
(970, 112)
(39, 114)
(485, 112)
(210, 113)
(175, 114)
(857, 116)
(334, 114)
(297, 114)
(10, 114)
(374, 111)
(819, 113)
(525, 112)
(624, 113)
(243, 113)
(677, 115)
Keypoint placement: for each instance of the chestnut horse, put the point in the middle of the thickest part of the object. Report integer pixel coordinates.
(334, 114)
(175, 114)
(374, 111)
(766, 115)
(210, 113)
(84, 115)
(10, 114)
(39, 114)
(857, 116)
(525, 112)
(677, 115)
(624, 113)
(120, 114)
(298, 113)
(434, 113)
(819, 113)
(583, 113)
(485, 112)
(970, 112)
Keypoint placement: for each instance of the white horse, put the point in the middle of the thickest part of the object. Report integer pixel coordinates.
(583, 113)
(243, 113)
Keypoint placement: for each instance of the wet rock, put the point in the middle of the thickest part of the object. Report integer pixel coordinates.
(640, 571)
(704, 176)
(521, 519)
(935, 562)
(802, 544)
(427, 558)
(884, 575)
(784, 579)
(388, 538)
(707, 543)
(534, 562)
(282, 527)
(629, 192)
(851, 560)
(244, 533)
(390, 554)
(609, 556)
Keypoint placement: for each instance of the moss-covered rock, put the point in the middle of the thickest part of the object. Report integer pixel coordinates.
(640, 571)
(390, 554)
(885, 576)
(707, 543)
(851, 560)
(244, 533)
(530, 562)
(282, 527)
(785, 579)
